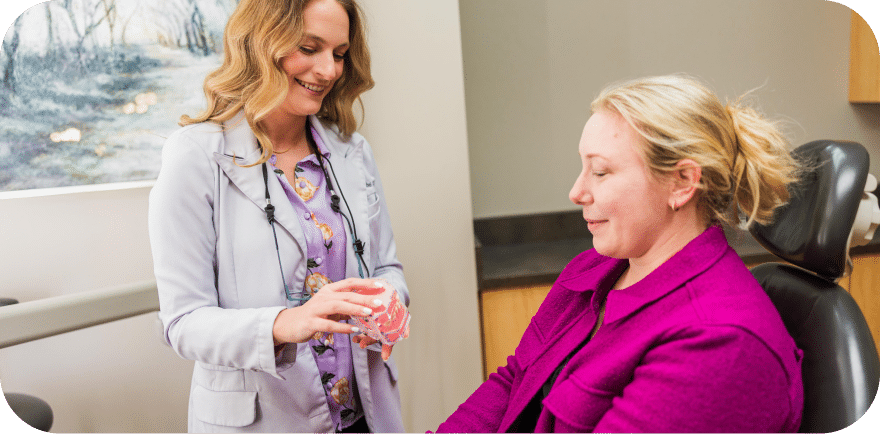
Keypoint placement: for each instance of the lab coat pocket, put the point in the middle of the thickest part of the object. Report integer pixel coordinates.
(374, 209)
(217, 377)
(373, 206)
(232, 409)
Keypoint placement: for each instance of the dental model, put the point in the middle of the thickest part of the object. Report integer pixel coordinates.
(389, 322)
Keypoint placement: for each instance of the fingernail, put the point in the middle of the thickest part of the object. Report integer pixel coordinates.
(355, 330)
(367, 311)
(378, 284)
(377, 302)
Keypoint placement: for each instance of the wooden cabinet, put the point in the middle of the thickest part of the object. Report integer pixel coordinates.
(864, 63)
(864, 286)
(505, 314)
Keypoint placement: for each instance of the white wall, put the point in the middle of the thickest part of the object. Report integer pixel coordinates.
(116, 377)
(532, 68)
(119, 377)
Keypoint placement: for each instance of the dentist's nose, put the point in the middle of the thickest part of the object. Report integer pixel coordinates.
(325, 66)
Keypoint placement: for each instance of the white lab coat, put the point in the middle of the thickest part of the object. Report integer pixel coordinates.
(220, 287)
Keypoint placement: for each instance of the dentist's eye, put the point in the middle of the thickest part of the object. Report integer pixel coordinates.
(599, 174)
(339, 57)
(307, 50)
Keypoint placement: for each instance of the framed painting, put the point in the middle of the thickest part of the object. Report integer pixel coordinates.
(91, 88)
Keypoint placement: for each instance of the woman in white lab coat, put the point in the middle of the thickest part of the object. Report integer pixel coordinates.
(263, 199)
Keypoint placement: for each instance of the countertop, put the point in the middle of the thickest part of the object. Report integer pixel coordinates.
(540, 262)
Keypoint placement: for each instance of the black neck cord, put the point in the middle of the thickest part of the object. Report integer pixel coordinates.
(270, 215)
(358, 244)
(334, 203)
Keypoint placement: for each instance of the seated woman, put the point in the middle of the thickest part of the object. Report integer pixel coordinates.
(661, 327)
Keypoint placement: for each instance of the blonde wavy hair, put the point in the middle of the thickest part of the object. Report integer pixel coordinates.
(744, 157)
(259, 34)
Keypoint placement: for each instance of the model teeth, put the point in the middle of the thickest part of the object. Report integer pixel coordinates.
(311, 87)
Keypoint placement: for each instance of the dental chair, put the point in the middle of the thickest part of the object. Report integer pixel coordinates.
(32, 410)
(831, 210)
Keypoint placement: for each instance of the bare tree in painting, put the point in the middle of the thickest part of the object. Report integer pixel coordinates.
(184, 26)
(135, 12)
(91, 20)
(10, 47)
(50, 31)
(110, 15)
(195, 35)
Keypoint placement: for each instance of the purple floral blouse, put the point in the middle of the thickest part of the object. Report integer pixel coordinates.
(325, 241)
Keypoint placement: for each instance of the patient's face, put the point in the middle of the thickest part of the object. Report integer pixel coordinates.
(625, 206)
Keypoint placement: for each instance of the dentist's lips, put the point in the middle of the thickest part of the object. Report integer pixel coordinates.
(311, 87)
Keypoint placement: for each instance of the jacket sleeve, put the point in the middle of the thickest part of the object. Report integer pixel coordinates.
(386, 265)
(706, 379)
(183, 242)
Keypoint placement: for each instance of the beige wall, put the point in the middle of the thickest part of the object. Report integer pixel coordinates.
(416, 125)
(532, 68)
(119, 377)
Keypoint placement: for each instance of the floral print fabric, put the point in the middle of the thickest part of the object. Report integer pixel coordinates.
(325, 239)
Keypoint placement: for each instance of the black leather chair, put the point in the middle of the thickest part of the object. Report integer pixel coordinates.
(32, 410)
(814, 232)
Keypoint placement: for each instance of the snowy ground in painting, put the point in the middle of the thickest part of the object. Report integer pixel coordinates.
(118, 141)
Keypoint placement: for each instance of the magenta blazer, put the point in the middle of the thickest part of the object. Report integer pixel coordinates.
(696, 346)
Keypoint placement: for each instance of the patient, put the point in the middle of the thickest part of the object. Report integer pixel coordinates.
(660, 328)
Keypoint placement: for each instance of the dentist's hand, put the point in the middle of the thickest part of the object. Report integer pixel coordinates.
(333, 303)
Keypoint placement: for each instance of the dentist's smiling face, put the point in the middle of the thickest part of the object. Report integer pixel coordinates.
(625, 205)
(318, 62)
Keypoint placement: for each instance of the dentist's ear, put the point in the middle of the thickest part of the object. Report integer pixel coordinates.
(686, 179)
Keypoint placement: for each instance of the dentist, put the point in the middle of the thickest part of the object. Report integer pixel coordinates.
(270, 232)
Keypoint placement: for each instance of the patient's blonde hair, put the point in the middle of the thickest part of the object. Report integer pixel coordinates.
(743, 156)
(259, 34)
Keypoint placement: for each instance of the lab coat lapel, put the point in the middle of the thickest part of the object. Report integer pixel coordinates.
(240, 140)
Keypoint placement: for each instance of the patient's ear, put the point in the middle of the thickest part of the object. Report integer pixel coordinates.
(685, 183)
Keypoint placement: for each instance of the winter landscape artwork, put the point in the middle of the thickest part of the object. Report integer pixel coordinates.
(91, 88)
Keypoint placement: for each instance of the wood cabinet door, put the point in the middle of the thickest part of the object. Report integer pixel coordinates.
(864, 63)
(505, 314)
(864, 286)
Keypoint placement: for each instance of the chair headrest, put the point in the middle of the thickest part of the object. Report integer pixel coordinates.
(813, 230)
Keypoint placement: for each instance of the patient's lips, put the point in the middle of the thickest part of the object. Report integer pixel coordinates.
(593, 225)
(389, 322)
